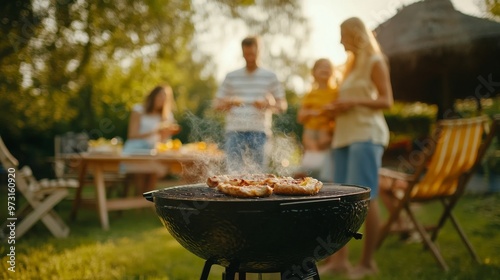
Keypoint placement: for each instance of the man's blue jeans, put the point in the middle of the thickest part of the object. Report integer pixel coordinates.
(245, 151)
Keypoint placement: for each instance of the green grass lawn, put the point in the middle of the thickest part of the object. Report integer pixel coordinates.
(138, 247)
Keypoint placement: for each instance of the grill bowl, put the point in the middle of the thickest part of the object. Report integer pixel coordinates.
(269, 234)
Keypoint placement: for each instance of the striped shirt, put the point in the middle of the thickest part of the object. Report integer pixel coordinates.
(250, 87)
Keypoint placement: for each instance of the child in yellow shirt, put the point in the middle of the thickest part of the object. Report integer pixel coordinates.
(318, 126)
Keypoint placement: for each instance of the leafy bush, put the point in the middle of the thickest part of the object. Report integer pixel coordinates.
(469, 107)
(410, 120)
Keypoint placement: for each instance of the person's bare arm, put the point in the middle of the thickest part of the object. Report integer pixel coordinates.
(280, 106)
(302, 115)
(276, 105)
(305, 114)
(167, 130)
(381, 80)
(275, 100)
(221, 104)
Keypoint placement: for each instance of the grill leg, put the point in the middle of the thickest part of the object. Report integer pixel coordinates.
(302, 275)
(230, 272)
(228, 275)
(206, 270)
(316, 273)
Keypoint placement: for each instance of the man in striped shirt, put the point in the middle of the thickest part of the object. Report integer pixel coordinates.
(249, 96)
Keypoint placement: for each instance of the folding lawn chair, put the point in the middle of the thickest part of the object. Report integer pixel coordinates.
(41, 197)
(450, 159)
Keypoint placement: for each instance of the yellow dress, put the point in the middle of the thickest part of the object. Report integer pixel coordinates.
(316, 100)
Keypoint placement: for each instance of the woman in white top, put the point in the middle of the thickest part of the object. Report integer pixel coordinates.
(361, 133)
(150, 123)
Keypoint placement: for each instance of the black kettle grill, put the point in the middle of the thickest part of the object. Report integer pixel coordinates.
(285, 234)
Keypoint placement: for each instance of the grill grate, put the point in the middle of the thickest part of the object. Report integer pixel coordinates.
(201, 192)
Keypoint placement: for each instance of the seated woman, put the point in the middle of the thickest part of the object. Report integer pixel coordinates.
(150, 123)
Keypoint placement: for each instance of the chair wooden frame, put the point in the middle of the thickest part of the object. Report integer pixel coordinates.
(458, 147)
(41, 196)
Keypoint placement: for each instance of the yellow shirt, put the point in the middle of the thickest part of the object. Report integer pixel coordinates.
(316, 100)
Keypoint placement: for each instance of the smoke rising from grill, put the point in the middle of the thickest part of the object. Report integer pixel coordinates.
(282, 151)
(283, 154)
(210, 131)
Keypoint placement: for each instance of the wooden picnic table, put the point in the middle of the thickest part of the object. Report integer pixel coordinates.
(191, 166)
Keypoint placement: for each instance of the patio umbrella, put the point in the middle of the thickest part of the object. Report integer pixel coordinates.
(438, 54)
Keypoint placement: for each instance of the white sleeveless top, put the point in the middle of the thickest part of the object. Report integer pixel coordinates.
(361, 123)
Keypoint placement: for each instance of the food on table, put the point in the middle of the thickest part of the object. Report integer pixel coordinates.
(169, 145)
(195, 147)
(105, 146)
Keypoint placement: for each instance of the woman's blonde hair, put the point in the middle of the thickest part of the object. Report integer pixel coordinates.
(363, 44)
(169, 104)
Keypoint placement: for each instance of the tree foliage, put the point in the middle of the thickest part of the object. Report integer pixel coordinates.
(85, 56)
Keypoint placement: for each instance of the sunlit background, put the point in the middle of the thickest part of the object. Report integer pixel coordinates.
(325, 17)
(72, 65)
(73, 69)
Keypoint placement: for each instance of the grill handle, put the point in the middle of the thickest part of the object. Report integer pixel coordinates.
(149, 195)
(309, 201)
(356, 235)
